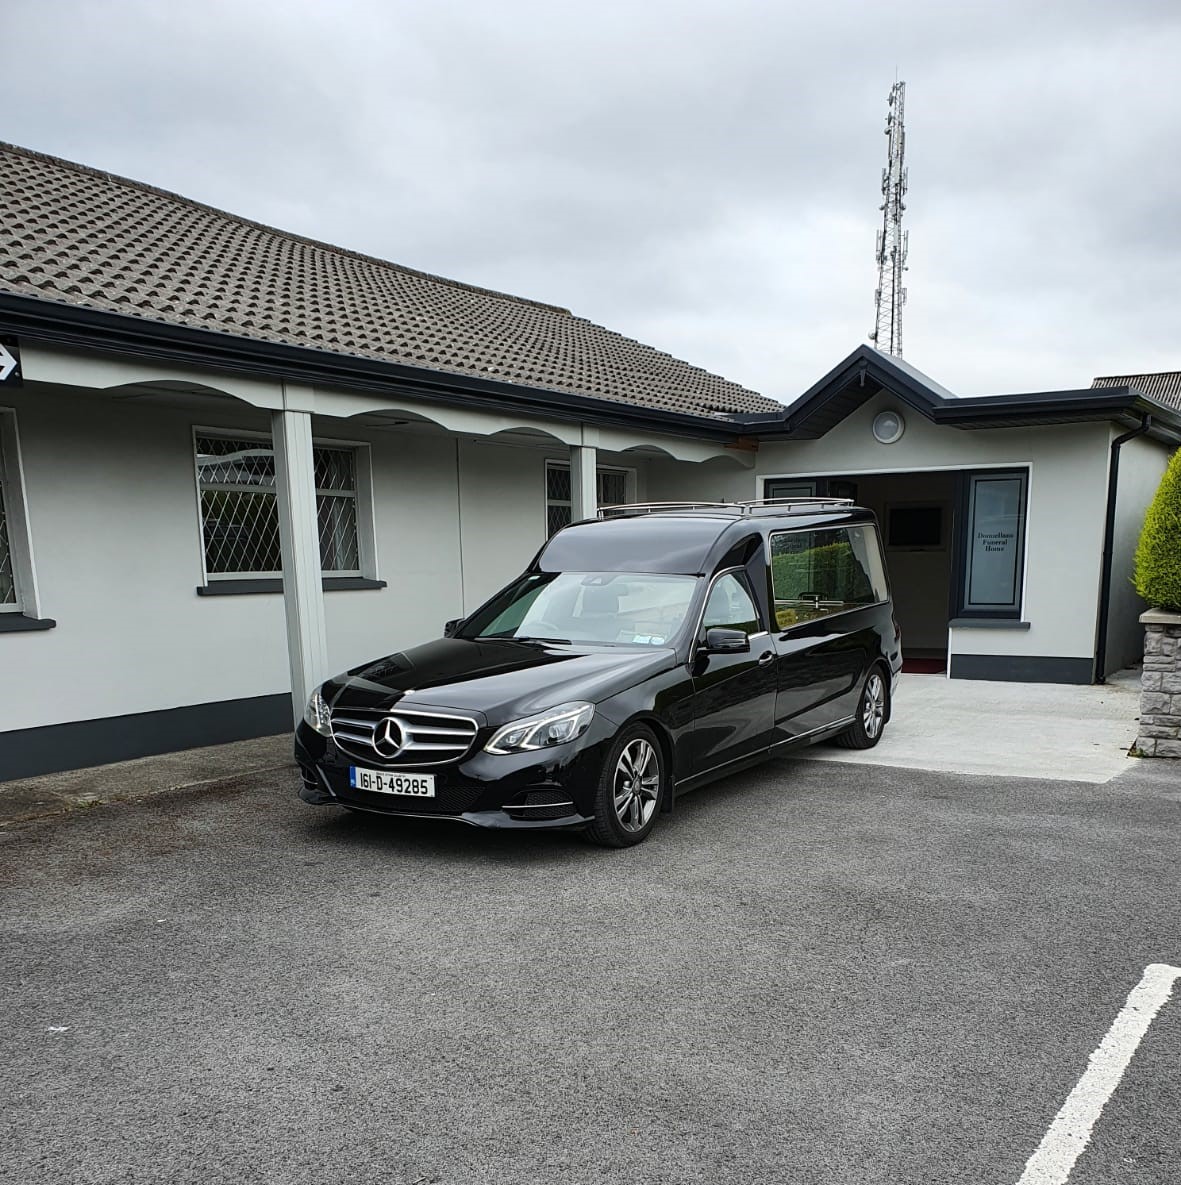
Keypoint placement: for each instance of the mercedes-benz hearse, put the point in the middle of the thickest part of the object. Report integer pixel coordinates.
(640, 655)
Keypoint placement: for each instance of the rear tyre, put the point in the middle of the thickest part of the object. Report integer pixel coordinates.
(872, 709)
(631, 788)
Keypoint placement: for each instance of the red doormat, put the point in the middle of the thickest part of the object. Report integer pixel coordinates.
(924, 666)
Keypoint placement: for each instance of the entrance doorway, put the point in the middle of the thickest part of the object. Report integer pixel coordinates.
(916, 512)
(954, 542)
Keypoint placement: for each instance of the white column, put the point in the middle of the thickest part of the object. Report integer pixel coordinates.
(299, 537)
(584, 490)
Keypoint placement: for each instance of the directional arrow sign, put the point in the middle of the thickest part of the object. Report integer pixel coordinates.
(10, 363)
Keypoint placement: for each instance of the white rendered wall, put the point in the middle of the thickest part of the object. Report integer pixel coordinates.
(503, 512)
(417, 537)
(117, 543)
(1067, 499)
(503, 509)
(113, 519)
(1142, 464)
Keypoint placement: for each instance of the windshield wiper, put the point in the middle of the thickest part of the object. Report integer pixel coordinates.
(531, 638)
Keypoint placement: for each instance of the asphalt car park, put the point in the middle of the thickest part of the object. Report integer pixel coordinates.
(813, 972)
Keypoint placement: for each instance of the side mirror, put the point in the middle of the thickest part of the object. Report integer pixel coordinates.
(450, 627)
(719, 640)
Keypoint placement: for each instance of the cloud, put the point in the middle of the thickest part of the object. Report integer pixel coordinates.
(702, 176)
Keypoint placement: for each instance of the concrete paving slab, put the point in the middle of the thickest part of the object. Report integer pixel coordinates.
(1012, 730)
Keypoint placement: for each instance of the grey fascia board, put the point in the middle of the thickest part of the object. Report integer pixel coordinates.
(78, 327)
(1113, 404)
(81, 327)
(979, 411)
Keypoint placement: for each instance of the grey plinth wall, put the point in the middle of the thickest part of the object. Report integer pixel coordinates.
(1160, 690)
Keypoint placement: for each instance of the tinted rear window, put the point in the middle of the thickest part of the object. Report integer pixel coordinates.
(818, 573)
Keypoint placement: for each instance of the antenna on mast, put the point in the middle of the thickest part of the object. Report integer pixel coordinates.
(892, 239)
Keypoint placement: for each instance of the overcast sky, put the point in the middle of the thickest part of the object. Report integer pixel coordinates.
(702, 175)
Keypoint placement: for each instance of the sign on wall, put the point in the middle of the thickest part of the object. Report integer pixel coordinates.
(10, 363)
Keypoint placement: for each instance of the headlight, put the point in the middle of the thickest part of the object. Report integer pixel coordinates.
(555, 727)
(316, 714)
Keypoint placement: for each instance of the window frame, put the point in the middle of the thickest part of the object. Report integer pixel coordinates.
(629, 478)
(740, 573)
(869, 526)
(26, 604)
(698, 635)
(363, 500)
(770, 484)
(961, 555)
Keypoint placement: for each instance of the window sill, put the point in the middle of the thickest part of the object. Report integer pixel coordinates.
(17, 623)
(241, 588)
(988, 623)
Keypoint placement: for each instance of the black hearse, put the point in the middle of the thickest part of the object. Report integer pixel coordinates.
(640, 655)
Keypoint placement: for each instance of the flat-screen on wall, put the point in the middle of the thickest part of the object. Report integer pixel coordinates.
(914, 526)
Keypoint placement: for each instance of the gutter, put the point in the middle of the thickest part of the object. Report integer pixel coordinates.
(1109, 545)
(80, 327)
(120, 333)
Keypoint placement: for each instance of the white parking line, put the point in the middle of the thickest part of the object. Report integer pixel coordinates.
(1071, 1130)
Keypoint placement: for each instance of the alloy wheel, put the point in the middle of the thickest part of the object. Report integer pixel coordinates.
(873, 705)
(636, 785)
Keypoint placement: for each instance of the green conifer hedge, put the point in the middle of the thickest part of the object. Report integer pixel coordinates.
(1158, 556)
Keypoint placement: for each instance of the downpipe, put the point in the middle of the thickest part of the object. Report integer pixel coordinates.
(1109, 545)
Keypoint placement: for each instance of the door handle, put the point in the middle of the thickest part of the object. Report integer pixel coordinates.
(766, 658)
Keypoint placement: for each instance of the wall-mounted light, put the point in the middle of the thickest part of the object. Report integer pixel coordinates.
(888, 427)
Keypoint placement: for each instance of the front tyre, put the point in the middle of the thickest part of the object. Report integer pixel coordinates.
(872, 709)
(631, 787)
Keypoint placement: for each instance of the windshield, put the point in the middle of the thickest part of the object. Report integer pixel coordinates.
(625, 608)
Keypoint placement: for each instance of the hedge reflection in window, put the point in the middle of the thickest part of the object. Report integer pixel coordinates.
(817, 573)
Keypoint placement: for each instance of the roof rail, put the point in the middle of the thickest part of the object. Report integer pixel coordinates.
(804, 503)
(786, 505)
(622, 508)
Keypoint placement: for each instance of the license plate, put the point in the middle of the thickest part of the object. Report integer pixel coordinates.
(381, 781)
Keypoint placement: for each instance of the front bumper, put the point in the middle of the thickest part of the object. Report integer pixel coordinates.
(551, 789)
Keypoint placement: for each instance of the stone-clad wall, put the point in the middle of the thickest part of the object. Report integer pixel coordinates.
(1160, 689)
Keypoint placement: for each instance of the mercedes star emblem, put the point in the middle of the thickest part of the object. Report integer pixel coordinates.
(387, 737)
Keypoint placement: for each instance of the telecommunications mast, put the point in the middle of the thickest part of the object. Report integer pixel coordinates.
(891, 246)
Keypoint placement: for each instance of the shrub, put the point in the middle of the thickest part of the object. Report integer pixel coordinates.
(1158, 556)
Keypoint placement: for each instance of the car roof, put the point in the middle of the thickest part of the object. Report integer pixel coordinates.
(686, 541)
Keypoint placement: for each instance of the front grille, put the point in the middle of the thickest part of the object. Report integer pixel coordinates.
(427, 737)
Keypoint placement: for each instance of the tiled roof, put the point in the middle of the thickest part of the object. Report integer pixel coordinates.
(72, 234)
(1164, 387)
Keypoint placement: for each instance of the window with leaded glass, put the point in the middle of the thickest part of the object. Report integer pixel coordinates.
(240, 513)
(611, 490)
(558, 493)
(18, 593)
(612, 487)
(8, 599)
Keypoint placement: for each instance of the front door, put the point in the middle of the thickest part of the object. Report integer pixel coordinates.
(733, 694)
